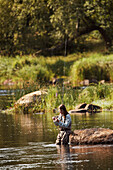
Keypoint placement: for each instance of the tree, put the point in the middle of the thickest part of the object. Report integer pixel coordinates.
(99, 16)
(76, 18)
(33, 24)
(28, 26)
(24, 25)
(6, 26)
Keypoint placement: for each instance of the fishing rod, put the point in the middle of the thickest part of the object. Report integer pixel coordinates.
(65, 54)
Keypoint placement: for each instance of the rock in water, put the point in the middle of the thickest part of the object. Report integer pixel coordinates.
(28, 100)
(83, 108)
(91, 136)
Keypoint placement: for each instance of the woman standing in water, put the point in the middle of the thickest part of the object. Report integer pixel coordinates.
(64, 123)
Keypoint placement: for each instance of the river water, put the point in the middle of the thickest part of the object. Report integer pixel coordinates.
(28, 142)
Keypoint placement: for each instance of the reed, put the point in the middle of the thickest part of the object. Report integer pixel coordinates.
(34, 73)
(101, 95)
(57, 95)
(72, 97)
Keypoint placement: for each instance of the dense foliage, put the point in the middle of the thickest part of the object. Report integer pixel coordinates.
(28, 26)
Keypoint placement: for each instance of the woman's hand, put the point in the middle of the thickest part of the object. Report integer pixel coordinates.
(53, 118)
(57, 120)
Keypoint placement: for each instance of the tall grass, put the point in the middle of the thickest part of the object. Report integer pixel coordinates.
(72, 97)
(101, 95)
(25, 68)
(57, 95)
(77, 66)
(22, 68)
(34, 72)
(97, 67)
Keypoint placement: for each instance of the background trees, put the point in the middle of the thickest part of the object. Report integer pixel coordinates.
(28, 26)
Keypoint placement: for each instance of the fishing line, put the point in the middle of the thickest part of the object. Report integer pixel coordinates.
(65, 54)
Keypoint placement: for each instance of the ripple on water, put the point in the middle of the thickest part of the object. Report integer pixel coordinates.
(45, 155)
(32, 156)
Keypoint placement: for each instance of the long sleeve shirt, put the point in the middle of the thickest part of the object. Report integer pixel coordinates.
(64, 124)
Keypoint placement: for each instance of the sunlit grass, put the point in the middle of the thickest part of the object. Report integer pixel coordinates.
(33, 73)
(99, 94)
(97, 66)
(75, 67)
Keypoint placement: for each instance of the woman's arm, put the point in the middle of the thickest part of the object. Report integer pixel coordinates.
(67, 123)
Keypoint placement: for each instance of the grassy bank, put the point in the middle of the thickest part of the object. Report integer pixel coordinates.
(75, 67)
(96, 66)
(37, 69)
(34, 73)
(101, 95)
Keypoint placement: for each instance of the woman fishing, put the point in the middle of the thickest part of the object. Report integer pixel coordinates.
(64, 123)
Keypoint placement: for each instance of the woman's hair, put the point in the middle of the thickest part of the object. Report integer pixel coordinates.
(62, 106)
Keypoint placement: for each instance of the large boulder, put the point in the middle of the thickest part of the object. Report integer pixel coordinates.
(84, 107)
(28, 100)
(91, 136)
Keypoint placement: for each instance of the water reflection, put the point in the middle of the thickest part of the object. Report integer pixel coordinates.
(99, 156)
(16, 130)
(65, 158)
(27, 142)
(85, 157)
(102, 119)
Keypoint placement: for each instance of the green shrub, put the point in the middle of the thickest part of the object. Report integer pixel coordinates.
(5, 68)
(36, 73)
(104, 91)
(93, 93)
(88, 95)
(95, 67)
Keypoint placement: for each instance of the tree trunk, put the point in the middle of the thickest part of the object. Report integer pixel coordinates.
(103, 33)
(106, 37)
(92, 26)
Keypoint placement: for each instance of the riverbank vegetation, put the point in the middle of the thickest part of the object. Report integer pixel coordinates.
(97, 66)
(71, 41)
(74, 67)
(31, 73)
(101, 95)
